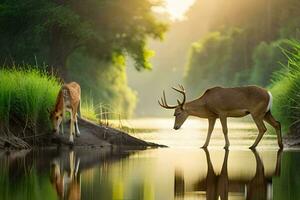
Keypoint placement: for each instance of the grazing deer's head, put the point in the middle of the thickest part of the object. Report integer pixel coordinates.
(180, 113)
(56, 118)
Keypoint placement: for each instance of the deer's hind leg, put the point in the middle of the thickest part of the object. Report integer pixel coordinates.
(276, 125)
(261, 128)
(76, 125)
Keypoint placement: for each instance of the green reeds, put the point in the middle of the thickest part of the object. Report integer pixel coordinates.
(285, 88)
(25, 96)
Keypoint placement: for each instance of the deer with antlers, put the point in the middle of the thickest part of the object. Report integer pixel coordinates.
(68, 99)
(222, 103)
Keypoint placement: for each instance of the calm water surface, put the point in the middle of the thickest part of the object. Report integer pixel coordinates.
(182, 171)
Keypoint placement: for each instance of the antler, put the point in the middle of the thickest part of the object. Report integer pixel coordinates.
(163, 103)
(182, 91)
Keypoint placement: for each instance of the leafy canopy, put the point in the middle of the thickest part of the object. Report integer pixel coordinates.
(50, 30)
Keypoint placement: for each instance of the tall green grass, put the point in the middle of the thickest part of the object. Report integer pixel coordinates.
(285, 88)
(25, 96)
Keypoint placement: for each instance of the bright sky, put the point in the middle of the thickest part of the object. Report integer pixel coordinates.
(176, 8)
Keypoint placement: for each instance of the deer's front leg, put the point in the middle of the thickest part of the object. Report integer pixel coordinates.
(71, 137)
(62, 126)
(225, 131)
(211, 125)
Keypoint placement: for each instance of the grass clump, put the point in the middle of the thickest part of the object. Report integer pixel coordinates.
(105, 115)
(88, 110)
(285, 88)
(25, 96)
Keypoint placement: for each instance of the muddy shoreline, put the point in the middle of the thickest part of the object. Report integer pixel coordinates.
(291, 141)
(292, 137)
(92, 136)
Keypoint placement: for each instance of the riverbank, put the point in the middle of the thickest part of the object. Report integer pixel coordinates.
(26, 95)
(93, 135)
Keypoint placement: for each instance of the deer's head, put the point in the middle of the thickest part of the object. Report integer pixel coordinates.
(56, 118)
(180, 113)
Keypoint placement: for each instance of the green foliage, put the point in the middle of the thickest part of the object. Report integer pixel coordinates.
(213, 60)
(105, 83)
(289, 19)
(52, 30)
(88, 109)
(25, 96)
(268, 58)
(247, 54)
(285, 88)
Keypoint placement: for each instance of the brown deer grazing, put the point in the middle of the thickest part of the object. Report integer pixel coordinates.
(222, 103)
(68, 99)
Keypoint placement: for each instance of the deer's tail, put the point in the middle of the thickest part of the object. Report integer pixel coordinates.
(270, 102)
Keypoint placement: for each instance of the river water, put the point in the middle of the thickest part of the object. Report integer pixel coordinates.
(182, 171)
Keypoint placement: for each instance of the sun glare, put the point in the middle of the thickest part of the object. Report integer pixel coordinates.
(176, 8)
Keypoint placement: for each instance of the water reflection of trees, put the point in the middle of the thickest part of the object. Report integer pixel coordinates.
(220, 185)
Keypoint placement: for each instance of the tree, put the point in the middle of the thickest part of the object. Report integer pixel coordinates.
(104, 83)
(218, 59)
(242, 44)
(268, 58)
(50, 31)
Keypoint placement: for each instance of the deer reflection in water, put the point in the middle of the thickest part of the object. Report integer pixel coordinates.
(218, 186)
(66, 182)
(257, 188)
(179, 184)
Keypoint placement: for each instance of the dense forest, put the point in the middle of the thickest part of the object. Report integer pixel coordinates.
(85, 41)
(244, 44)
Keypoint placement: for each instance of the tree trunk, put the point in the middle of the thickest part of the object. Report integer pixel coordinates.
(58, 67)
(58, 54)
